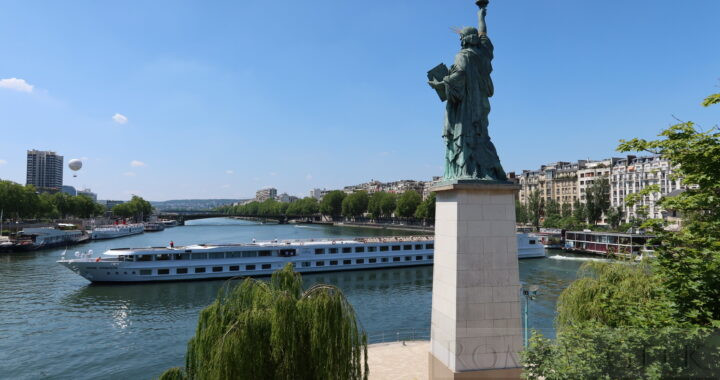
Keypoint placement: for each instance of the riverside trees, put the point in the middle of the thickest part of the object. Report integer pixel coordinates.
(23, 202)
(276, 330)
(654, 320)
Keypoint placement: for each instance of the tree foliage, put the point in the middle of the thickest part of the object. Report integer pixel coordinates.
(521, 213)
(597, 200)
(137, 208)
(275, 330)
(426, 209)
(331, 204)
(355, 204)
(23, 202)
(407, 203)
(382, 204)
(535, 208)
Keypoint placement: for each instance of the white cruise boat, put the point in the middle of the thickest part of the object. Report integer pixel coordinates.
(207, 261)
(116, 231)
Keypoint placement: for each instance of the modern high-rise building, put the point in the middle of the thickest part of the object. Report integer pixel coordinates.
(44, 170)
(88, 193)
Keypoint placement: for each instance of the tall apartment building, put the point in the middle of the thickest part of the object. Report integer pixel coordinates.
(44, 170)
(632, 174)
(265, 194)
(556, 181)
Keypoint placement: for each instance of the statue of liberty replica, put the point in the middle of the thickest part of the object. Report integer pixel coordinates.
(467, 88)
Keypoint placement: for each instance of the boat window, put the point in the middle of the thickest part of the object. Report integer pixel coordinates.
(407, 247)
(199, 256)
(429, 246)
(230, 255)
(181, 271)
(333, 250)
(384, 248)
(430, 257)
(199, 270)
(372, 261)
(347, 262)
(182, 256)
(144, 258)
(249, 254)
(319, 263)
(408, 258)
(287, 252)
(217, 269)
(360, 261)
(396, 259)
(305, 264)
(359, 249)
(162, 257)
(333, 262)
(418, 246)
(234, 268)
(347, 250)
(395, 247)
(145, 272)
(418, 258)
(163, 271)
(319, 251)
(384, 259)
(266, 266)
(265, 253)
(372, 249)
(250, 267)
(532, 242)
(217, 255)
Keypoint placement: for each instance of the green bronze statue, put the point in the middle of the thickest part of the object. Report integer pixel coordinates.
(467, 88)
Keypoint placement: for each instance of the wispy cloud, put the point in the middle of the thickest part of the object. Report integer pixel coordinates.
(137, 164)
(3, 162)
(309, 177)
(129, 174)
(120, 118)
(229, 172)
(16, 84)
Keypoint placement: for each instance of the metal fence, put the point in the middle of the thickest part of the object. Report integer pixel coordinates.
(398, 335)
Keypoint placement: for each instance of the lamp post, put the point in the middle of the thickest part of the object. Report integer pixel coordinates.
(530, 293)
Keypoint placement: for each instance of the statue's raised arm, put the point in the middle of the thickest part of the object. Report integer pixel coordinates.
(482, 26)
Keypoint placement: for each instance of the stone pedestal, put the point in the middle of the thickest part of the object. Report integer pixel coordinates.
(476, 328)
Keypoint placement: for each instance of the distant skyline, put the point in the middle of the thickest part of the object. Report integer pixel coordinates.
(189, 99)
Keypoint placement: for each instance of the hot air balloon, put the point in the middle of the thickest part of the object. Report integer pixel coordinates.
(75, 165)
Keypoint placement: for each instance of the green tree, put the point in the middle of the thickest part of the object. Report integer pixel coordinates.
(614, 217)
(407, 203)
(521, 213)
(426, 209)
(552, 214)
(597, 200)
(137, 208)
(331, 204)
(355, 204)
(388, 204)
(275, 330)
(535, 207)
(64, 204)
(578, 212)
(566, 210)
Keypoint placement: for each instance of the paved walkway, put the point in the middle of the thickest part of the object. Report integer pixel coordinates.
(398, 361)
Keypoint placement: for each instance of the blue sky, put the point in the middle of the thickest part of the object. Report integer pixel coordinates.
(191, 99)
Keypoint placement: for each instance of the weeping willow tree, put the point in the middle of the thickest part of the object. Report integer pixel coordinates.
(275, 330)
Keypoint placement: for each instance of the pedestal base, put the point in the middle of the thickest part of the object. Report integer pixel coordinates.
(439, 371)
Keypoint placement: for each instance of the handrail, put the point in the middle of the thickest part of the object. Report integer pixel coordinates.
(398, 335)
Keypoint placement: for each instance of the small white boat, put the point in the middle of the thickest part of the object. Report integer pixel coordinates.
(116, 231)
(154, 227)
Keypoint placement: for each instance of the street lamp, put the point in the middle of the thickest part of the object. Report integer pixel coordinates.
(530, 293)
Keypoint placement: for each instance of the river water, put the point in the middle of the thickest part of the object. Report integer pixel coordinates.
(55, 325)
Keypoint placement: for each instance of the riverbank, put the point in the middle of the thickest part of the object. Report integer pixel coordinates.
(385, 226)
(399, 360)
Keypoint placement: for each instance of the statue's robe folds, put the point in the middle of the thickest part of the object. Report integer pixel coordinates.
(470, 154)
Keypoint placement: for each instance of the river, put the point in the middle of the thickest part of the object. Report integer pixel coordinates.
(56, 325)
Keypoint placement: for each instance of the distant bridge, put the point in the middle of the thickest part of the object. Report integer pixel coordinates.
(183, 216)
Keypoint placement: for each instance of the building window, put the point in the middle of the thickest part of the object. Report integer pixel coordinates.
(250, 267)
(217, 269)
(347, 250)
(234, 268)
(163, 271)
(360, 261)
(144, 272)
(359, 249)
(319, 251)
(199, 270)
